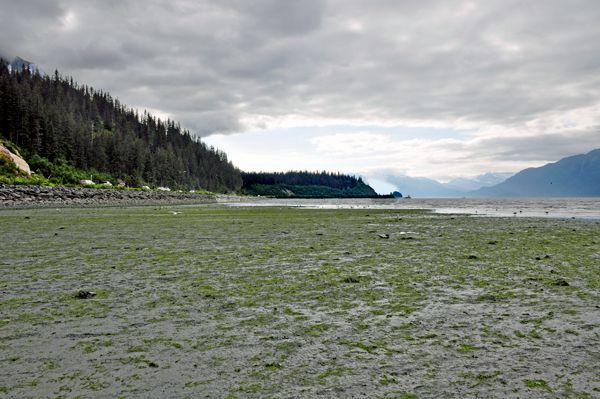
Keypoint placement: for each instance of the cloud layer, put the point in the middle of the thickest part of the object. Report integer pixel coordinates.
(524, 71)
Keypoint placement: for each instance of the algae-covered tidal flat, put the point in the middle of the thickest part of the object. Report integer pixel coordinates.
(281, 302)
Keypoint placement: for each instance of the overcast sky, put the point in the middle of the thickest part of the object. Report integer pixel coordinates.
(424, 88)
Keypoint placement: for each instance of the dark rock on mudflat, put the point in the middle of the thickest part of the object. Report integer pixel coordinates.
(85, 294)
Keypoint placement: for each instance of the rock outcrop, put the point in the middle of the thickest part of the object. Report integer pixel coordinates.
(16, 158)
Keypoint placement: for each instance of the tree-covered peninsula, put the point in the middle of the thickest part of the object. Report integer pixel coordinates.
(297, 184)
(68, 131)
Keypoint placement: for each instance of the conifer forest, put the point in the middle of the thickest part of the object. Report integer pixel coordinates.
(61, 126)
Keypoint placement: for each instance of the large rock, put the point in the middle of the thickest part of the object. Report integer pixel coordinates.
(16, 158)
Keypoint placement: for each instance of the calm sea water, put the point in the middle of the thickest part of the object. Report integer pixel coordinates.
(579, 208)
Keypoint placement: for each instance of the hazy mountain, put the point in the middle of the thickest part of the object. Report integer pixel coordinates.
(576, 176)
(475, 183)
(421, 187)
(18, 63)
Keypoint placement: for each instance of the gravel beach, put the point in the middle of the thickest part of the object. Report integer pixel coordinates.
(211, 301)
(33, 196)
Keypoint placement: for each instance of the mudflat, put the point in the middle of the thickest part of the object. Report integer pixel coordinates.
(218, 302)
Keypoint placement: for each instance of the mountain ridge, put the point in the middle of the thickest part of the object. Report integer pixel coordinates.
(18, 63)
(484, 180)
(422, 187)
(573, 176)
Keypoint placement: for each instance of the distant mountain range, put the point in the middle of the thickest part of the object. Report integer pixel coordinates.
(427, 188)
(477, 182)
(18, 63)
(421, 187)
(575, 176)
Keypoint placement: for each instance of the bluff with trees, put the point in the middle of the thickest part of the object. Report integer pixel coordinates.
(66, 131)
(297, 184)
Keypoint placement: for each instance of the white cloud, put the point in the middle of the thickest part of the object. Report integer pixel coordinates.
(353, 143)
(70, 21)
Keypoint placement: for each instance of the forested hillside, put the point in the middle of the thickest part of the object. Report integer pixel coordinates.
(66, 130)
(306, 185)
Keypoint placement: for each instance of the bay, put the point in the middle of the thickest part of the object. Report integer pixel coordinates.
(579, 208)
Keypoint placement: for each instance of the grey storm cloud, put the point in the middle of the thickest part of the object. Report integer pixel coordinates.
(209, 63)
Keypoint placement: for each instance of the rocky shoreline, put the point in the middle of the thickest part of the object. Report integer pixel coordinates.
(46, 196)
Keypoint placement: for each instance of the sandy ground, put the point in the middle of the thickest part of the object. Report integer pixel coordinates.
(252, 303)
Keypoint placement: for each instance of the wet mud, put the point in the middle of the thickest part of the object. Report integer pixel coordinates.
(210, 301)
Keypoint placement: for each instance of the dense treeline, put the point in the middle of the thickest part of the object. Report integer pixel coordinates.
(297, 178)
(287, 191)
(297, 184)
(57, 122)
